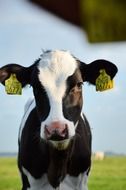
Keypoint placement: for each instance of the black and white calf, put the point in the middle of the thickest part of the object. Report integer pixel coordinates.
(54, 136)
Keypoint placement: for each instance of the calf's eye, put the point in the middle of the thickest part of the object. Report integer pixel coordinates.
(79, 84)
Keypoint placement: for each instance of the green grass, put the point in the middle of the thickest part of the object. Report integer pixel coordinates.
(109, 174)
(9, 175)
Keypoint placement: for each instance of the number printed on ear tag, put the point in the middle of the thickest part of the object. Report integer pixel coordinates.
(103, 82)
(13, 86)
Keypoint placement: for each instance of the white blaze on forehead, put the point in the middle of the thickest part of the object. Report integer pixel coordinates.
(55, 67)
(59, 62)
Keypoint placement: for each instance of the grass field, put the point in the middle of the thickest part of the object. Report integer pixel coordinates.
(109, 174)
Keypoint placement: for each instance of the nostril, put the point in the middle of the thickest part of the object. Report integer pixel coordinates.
(64, 132)
(47, 131)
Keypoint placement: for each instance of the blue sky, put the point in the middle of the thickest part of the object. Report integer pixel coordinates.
(24, 31)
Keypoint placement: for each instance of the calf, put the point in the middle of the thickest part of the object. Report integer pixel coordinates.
(55, 136)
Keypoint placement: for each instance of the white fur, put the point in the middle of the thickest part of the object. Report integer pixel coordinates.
(69, 183)
(75, 183)
(29, 106)
(55, 67)
(37, 184)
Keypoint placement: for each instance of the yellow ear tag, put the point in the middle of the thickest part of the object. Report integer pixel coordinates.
(103, 82)
(13, 86)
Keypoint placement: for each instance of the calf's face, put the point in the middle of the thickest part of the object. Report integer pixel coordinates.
(58, 94)
(57, 79)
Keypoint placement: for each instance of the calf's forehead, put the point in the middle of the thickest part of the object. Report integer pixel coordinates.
(55, 67)
(58, 63)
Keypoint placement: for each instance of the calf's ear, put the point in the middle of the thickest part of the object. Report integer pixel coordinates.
(21, 73)
(90, 72)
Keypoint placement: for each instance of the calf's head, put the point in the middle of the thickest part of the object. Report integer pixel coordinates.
(57, 79)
